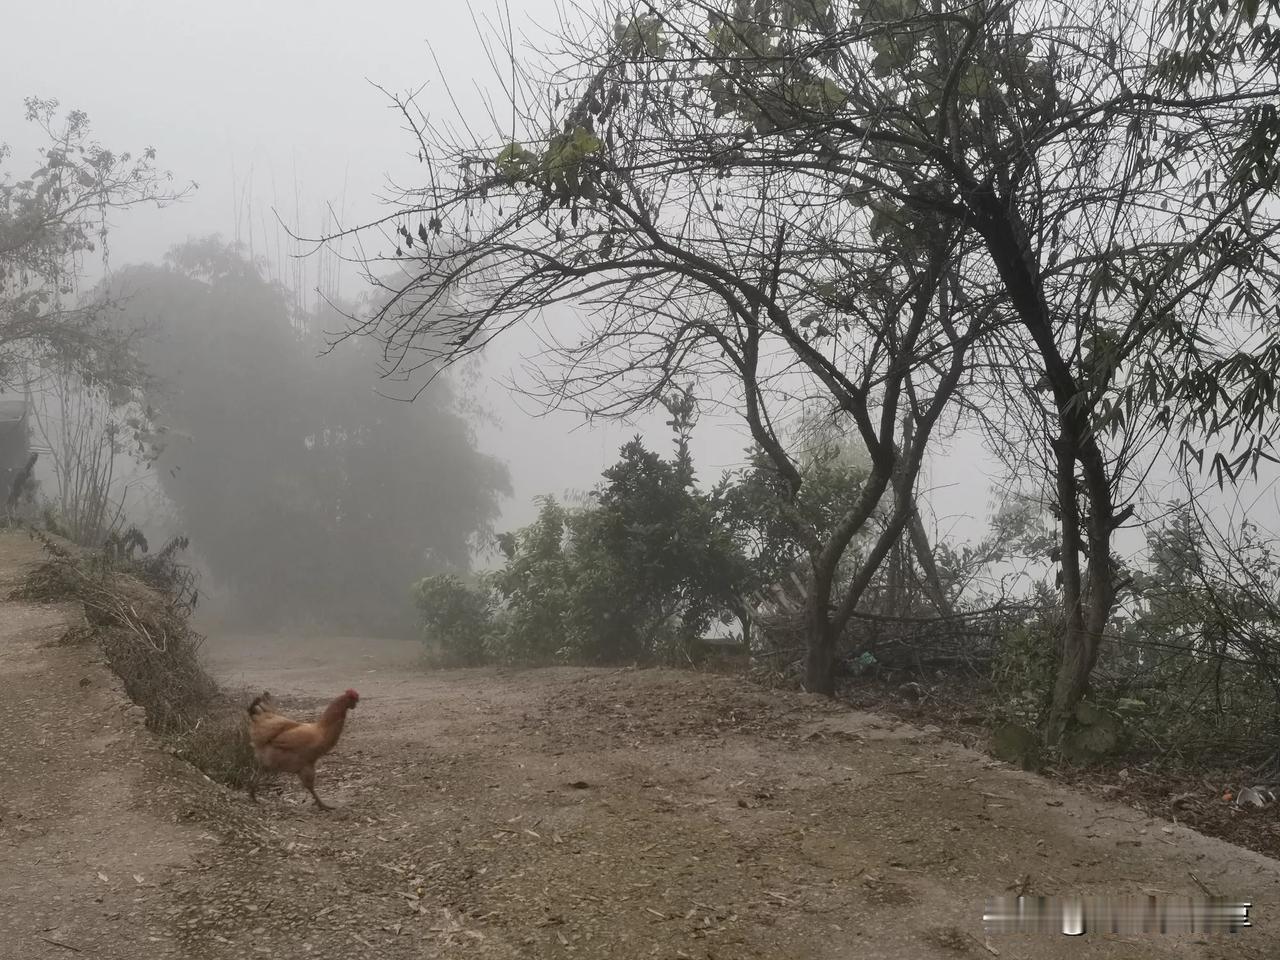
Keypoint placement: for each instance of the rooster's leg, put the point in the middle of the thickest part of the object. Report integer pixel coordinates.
(308, 777)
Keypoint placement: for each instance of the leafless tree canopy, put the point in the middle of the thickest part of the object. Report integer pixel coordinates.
(1022, 211)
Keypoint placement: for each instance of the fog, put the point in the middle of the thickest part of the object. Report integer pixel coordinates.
(258, 101)
(274, 111)
(665, 685)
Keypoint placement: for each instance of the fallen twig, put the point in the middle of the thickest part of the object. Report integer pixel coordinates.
(1207, 891)
(986, 946)
(64, 946)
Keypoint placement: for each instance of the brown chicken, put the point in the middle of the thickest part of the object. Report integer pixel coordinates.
(288, 746)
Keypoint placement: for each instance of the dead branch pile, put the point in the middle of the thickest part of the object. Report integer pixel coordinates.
(137, 611)
(963, 639)
(143, 632)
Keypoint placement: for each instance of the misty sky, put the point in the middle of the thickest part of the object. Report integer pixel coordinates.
(253, 100)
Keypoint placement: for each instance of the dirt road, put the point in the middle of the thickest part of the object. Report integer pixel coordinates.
(89, 807)
(561, 813)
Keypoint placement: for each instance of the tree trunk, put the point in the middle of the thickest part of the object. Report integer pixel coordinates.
(928, 567)
(1079, 653)
(896, 587)
(1087, 601)
(820, 656)
(1081, 643)
(1014, 256)
(822, 628)
(1070, 682)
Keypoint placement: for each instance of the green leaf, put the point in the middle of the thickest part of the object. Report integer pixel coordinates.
(514, 161)
(586, 143)
(974, 82)
(640, 37)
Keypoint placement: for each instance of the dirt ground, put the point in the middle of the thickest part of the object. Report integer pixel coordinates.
(90, 808)
(1195, 791)
(550, 814)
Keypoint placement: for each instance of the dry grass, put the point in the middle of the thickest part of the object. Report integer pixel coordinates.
(143, 631)
(218, 745)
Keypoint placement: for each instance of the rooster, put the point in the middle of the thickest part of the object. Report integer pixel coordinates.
(288, 746)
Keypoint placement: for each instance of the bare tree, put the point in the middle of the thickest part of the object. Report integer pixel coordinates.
(839, 199)
(691, 260)
(100, 448)
(1126, 260)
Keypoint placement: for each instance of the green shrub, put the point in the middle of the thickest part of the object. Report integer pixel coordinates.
(634, 576)
(1023, 671)
(456, 619)
(536, 590)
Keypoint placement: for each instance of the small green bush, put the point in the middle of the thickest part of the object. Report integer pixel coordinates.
(1022, 672)
(457, 619)
(636, 575)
